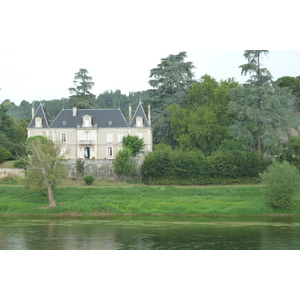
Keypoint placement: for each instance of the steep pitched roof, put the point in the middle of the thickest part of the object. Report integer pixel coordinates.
(139, 113)
(42, 113)
(105, 118)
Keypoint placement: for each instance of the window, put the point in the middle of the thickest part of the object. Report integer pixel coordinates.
(120, 137)
(63, 137)
(109, 151)
(109, 137)
(86, 136)
(139, 122)
(63, 151)
(38, 122)
(86, 121)
(53, 137)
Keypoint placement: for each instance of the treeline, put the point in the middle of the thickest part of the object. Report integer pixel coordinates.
(12, 135)
(107, 99)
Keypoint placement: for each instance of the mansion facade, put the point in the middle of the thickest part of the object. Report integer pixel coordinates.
(91, 133)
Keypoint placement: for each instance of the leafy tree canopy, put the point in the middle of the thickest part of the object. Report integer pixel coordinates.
(204, 123)
(134, 143)
(260, 76)
(44, 165)
(172, 75)
(124, 163)
(292, 83)
(262, 112)
(81, 95)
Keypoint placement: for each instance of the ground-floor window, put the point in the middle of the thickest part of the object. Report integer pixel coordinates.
(109, 151)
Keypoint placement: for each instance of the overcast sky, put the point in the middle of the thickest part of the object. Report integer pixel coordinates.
(44, 43)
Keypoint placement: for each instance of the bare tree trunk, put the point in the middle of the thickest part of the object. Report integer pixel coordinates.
(52, 202)
(259, 142)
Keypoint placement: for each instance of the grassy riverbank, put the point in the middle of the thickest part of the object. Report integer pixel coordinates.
(97, 200)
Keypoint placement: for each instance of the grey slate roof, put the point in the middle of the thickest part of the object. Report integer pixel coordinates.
(104, 118)
(139, 113)
(110, 118)
(43, 114)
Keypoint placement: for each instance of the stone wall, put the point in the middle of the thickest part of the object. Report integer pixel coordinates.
(12, 172)
(99, 168)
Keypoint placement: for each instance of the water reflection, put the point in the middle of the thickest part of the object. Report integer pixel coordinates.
(148, 232)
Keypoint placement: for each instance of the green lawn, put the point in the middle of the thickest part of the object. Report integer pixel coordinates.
(216, 200)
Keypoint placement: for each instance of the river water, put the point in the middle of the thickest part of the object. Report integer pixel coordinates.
(150, 232)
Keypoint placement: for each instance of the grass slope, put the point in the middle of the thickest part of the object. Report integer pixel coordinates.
(233, 200)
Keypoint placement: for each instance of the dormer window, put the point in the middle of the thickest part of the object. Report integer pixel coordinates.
(139, 122)
(38, 122)
(87, 121)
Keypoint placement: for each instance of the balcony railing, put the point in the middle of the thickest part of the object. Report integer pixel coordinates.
(87, 142)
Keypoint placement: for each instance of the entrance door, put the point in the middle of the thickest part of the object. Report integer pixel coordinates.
(87, 152)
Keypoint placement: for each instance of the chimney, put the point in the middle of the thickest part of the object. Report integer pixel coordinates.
(130, 112)
(74, 111)
(149, 114)
(32, 109)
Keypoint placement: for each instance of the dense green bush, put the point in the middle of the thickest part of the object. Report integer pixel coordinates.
(237, 164)
(134, 143)
(188, 168)
(124, 163)
(89, 179)
(290, 151)
(19, 163)
(4, 154)
(282, 182)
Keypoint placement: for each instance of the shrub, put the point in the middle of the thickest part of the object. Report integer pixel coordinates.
(89, 179)
(164, 166)
(4, 154)
(282, 182)
(19, 164)
(124, 163)
(79, 167)
(134, 143)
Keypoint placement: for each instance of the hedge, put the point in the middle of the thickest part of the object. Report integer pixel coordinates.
(193, 168)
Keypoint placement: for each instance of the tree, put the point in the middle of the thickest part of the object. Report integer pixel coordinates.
(8, 132)
(262, 111)
(292, 83)
(196, 128)
(81, 95)
(289, 151)
(44, 166)
(172, 75)
(134, 143)
(170, 81)
(123, 163)
(204, 123)
(260, 76)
